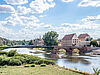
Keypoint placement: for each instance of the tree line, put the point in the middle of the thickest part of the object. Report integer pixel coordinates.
(6, 42)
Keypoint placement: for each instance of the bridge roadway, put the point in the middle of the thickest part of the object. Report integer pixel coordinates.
(49, 47)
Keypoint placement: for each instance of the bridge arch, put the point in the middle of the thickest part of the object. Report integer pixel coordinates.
(69, 50)
(56, 50)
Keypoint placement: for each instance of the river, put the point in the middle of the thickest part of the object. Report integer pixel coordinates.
(82, 63)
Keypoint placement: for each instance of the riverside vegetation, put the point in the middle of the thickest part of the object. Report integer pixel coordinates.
(12, 58)
(12, 63)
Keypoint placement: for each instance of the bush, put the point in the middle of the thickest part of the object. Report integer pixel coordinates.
(49, 62)
(43, 65)
(29, 59)
(12, 53)
(41, 61)
(22, 59)
(3, 52)
(26, 66)
(36, 62)
(14, 62)
(18, 59)
(4, 60)
(33, 65)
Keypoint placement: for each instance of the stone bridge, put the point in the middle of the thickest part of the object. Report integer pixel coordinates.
(70, 49)
(55, 49)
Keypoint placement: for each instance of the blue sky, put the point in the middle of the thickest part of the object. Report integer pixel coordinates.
(30, 19)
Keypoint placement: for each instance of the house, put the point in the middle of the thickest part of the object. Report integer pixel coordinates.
(38, 42)
(98, 41)
(70, 40)
(84, 39)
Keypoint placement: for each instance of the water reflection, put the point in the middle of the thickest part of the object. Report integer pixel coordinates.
(83, 63)
(77, 60)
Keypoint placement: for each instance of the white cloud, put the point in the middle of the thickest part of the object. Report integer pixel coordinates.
(48, 26)
(16, 2)
(6, 9)
(30, 22)
(14, 20)
(39, 6)
(23, 10)
(30, 18)
(67, 0)
(91, 19)
(85, 3)
(4, 31)
(42, 16)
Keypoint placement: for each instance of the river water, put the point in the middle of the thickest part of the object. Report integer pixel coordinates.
(82, 63)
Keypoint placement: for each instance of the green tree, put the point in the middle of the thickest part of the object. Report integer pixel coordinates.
(89, 39)
(50, 38)
(94, 43)
(31, 42)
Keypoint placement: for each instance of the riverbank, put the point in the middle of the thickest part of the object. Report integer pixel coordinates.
(37, 70)
(82, 63)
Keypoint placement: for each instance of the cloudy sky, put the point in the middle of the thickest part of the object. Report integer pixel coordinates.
(29, 19)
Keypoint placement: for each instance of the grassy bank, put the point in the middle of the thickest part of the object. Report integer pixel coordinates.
(37, 70)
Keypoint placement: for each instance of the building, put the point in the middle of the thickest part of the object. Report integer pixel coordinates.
(84, 39)
(98, 41)
(38, 42)
(70, 40)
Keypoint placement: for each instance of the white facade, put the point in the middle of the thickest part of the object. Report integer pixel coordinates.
(84, 43)
(98, 42)
(75, 40)
(72, 41)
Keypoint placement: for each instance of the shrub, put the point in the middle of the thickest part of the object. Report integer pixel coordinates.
(29, 59)
(22, 59)
(43, 65)
(36, 62)
(33, 65)
(4, 60)
(3, 52)
(75, 68)
(14, 62)
(26, 66)
(12, 53)
(18, 59)
(49, 62)
(41, 61)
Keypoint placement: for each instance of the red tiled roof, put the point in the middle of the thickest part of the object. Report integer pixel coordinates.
(68, 37)
(83, 35)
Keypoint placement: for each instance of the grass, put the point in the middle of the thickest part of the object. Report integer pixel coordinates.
(48, 70)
